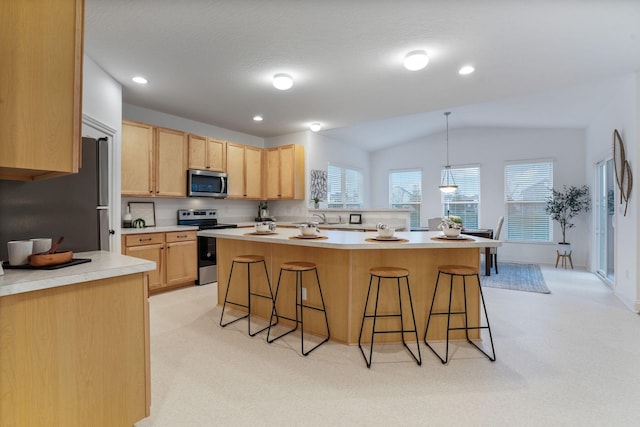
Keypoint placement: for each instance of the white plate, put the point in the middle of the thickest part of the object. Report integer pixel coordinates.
(459, 237)
(308, 236)
(264, 232)
(386, 238)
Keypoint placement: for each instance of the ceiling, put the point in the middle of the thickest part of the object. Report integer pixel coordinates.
(543, 63)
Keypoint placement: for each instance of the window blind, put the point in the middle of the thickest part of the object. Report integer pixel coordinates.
(527, 188)
(465, 201)
(405, 192)
(345, 187)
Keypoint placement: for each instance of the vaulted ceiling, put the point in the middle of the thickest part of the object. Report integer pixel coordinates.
(542, 63)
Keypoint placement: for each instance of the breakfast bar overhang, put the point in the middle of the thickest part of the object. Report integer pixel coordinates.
(343, 259)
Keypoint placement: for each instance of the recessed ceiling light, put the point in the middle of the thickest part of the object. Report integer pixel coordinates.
(282, 81)
(315, 127)
(416, 60)
(257, 118)
(140, 80)
(467, 69)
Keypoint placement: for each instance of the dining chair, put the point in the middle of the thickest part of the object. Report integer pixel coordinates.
(434, 223)
(494, 251)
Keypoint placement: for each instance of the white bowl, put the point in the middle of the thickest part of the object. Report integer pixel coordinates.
(261, 228)
(386, 232)
(451, 232)
(308, 231)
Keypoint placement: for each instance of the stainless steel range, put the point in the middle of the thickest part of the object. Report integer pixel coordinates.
(204, 219)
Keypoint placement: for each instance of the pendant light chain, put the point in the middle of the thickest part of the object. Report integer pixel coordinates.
(448, 184)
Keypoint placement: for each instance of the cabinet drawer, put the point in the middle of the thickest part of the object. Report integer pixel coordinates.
(180, 236)
(144, 239)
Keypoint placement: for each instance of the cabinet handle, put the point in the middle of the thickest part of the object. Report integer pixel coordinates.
(145, 240)
(184, 236)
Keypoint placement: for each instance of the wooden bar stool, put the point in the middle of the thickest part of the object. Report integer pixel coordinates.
(389, 273)
(248, 260)
(463, 272)
(298, 267)
(565, 256)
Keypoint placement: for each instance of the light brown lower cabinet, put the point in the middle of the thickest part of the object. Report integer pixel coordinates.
(175, 254)
(76, 355)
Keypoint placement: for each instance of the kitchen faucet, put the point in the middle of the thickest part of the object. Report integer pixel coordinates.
(323, 216)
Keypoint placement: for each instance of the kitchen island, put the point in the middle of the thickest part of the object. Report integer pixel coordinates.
(343, 259)
(74, 343)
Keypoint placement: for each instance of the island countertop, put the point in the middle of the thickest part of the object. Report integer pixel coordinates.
(349, 240)
(103, 265)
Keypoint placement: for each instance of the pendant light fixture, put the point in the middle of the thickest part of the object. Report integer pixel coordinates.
(448, 184)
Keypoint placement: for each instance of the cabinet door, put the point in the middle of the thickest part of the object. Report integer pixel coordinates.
(235, 170)
(151, 253)
(197, 152)
(171, 163)
(273, 173)
(137, 159)
(182, 262)
(216, 155)
(40, 88)
(287, 172)
(253, 172)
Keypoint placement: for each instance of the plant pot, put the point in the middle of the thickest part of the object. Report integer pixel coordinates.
(564, 248)
(316, 205)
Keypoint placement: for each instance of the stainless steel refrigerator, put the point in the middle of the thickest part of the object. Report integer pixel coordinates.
(74, 206)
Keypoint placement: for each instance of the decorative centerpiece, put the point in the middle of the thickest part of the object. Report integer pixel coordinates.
(451, 225)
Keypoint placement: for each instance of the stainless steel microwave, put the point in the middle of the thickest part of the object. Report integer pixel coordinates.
(206, 184)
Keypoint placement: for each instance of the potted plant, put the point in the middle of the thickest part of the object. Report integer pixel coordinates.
(563, 206)
(316, 202)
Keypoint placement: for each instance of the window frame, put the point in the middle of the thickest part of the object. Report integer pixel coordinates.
(415, 215)
(541, 202)
(443, 197)
(344, 204)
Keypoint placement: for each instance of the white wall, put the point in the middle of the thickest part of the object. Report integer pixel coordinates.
(157, 118)
(102, 101)
(622, 113)
(490, 148)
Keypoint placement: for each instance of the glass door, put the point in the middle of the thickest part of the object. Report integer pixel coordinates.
(605, 221)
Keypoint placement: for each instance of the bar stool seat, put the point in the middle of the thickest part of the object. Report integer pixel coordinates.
(388, 273)
(463, 272)
(248, 260)
(298, 268)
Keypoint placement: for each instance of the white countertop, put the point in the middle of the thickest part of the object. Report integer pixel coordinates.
(163, 229)
(102, 266)
(353, 240)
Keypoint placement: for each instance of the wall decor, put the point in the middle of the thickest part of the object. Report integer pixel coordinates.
(318, 184)
(145, 211)
(355, 219)
(624, 177)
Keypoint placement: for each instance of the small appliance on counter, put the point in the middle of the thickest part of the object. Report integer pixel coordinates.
(263, 213)
(204, 219)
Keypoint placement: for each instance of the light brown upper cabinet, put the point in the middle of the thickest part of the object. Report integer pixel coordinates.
(285, 172)
(154, 161)
(40, 88)
(244, 169)
(207, 153)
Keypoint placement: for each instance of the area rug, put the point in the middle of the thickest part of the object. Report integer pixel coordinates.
(518, 277)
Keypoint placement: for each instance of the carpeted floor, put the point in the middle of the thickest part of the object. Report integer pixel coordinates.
(518, 277)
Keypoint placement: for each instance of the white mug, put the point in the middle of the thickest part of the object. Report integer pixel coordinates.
(41, 245)
(19, 251)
